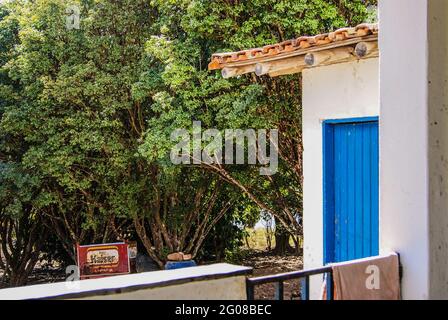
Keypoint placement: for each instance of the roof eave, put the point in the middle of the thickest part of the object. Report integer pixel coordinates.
(291, 55)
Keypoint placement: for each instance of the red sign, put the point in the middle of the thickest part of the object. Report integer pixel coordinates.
(99, 260)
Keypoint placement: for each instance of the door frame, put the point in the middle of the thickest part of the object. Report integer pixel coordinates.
(328, 180)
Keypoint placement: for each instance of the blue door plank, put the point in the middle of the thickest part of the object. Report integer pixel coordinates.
(338, 199)
(367, 187)
(329, 193)
(358, 192)
(343, 189)
(351, 176)
(375, 191)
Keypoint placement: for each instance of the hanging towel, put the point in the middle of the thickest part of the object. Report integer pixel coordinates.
(373, 278)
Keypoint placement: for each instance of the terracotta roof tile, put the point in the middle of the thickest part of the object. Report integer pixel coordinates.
(220, 60)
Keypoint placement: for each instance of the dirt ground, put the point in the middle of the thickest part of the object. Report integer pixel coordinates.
(264, 264)
(40, 275)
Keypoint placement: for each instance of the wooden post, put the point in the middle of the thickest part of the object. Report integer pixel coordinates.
(364, 49)
(320, 58)
(286, 71)
(280, 66)
(316, 58)
(229, 72)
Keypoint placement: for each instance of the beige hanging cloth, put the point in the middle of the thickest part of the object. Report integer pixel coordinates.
(373, 278)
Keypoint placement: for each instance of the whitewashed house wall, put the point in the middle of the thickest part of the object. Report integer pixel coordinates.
(339, 91)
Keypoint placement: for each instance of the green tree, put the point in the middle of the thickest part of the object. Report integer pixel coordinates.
(82, 119)
(20, 200)
(188, 33)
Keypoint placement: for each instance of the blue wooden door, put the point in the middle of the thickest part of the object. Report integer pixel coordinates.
(350, 189)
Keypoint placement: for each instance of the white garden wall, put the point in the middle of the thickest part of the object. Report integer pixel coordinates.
(220, 281)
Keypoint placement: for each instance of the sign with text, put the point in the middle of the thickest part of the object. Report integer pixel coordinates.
(100, 260)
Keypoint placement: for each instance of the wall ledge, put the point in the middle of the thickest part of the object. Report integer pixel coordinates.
(124, 283)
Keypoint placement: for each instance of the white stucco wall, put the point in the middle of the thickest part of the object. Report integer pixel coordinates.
(231, 288)
(403, 140)
(414, 142)
(338, 91)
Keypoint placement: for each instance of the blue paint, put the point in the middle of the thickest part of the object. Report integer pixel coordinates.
(179, 264)
(350, 185)
(351, 120)
(328, 190)
(375, 190)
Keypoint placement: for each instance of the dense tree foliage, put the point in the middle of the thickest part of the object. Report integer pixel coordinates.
(86, 117)
(188, 33)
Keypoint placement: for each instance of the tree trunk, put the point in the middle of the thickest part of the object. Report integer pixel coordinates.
(282, 246)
